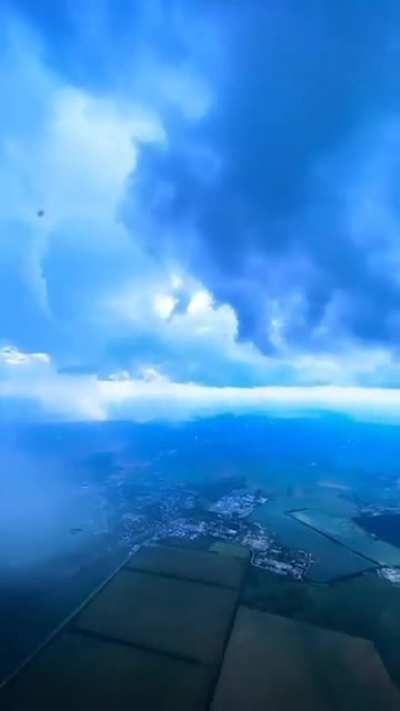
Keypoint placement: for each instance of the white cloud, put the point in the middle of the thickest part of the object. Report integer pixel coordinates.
(176, 281)
(200, 303)
(12, 356)
(164, 305)
(74, 162)
(200, 342)
(81, 161)
(155, 397)
(65, 157)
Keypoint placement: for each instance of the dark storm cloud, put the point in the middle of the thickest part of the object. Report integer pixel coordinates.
(267, 137)
(241, 195)
(101, 43)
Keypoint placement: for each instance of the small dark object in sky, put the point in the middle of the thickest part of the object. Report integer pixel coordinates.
(40, 213)
(76, 530)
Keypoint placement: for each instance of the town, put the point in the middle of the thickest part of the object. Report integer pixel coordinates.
(175, 514)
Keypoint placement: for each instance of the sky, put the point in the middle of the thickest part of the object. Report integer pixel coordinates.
(200, 208)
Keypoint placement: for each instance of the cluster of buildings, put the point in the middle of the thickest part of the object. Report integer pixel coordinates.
(165, 513)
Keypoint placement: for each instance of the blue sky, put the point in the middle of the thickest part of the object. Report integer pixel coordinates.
(200, 204)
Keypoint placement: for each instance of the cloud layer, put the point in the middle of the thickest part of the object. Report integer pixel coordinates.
(202, 204)
(34, 389)
(282, 197)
